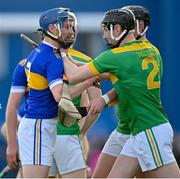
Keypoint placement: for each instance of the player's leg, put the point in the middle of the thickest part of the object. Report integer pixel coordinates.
(170, 170)
(161, 142)
(126, 164)
(124, 167)
(76, 174)
(109, 154)
(69, 157)
(128, 167)
(85, 146)
(103, 166)
(35, 171)
(36, 140)
(152, 150)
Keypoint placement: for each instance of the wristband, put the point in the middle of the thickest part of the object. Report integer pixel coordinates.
(63, 54)
(106, 98)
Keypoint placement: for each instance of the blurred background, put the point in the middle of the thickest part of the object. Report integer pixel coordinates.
(19, 16)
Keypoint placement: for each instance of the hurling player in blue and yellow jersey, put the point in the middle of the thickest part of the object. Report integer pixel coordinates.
(75, 144)
(44, 71)
(137, 66)
(15, 111)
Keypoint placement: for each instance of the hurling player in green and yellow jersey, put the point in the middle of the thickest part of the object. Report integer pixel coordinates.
(137, 66)
(120, 135)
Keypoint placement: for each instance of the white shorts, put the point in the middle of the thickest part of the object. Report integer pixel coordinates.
(115, 143)
(68, 155)
(36, 138)
(152, 148)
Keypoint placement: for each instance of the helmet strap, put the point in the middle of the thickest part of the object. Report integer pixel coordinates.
(62, 44)
(55, 36)
(120, 38)
(59, 29)
(51, 35)
(144, 31)
(138, 31)
(116, 38)
(137, 26)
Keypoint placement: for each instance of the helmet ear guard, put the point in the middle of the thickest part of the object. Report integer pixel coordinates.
(51, 34)
(140, 34)
(120, 36)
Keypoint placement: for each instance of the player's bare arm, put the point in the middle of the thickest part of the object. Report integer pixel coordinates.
(77, 89)
(11, 121)
(82, 72)
(99, 103)
(79, 73)
(73, 90)
(89, 121)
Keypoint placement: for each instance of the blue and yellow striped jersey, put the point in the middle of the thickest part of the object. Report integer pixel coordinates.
(44, 70)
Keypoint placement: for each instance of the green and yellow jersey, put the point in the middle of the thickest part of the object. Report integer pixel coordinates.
(138, 68)
(122, 127)
(74, 129)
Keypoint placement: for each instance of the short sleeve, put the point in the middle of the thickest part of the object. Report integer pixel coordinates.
(19, 81)
(55, 71)
(103, 63)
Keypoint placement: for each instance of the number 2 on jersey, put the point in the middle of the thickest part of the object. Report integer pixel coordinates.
(151, 83)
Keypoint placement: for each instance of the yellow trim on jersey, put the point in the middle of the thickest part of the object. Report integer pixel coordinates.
(76, 53)
(93, 68)
(140, 46)
(36, 81)
(113, 78)
(155, 150)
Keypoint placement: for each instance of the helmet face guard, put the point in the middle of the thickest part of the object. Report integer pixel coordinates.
(67, 37)
(118, 16)
(65, 22)
(74, 27)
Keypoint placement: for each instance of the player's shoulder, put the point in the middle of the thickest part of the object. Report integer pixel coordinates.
(19, 70)
(47, 57)
(78, 54)
(131, 46)
(45, 53)
(154, 47)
